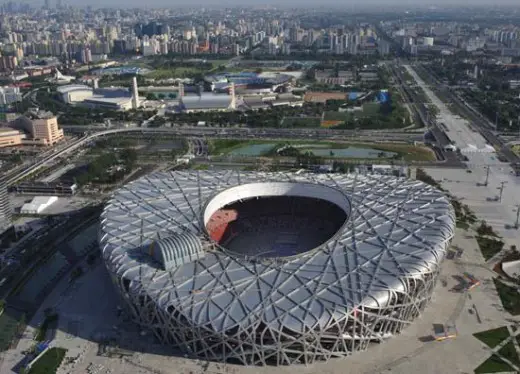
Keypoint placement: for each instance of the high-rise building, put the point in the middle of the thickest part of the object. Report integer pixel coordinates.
(383, 47)
(135, 94)
(5, 208)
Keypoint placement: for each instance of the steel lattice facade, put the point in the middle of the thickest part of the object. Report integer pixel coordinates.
(365, 284)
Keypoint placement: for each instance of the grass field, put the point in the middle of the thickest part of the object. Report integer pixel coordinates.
(494, 337)
(494, 364)
(8, 328)
(49, 362)
(509, 297)
(489, 246)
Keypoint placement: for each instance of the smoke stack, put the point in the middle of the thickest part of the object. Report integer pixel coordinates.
(233, 104)
(135, 94)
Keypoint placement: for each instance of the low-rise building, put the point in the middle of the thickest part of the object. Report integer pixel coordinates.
(10, 137)
(205, 103)
(38, 204)
(42, 188)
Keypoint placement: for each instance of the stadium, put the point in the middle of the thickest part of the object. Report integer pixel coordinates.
(247, 81)
(274, 268)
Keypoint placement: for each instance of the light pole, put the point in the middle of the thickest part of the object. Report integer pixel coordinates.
(517, 216)
(501, 188)
(487, 176)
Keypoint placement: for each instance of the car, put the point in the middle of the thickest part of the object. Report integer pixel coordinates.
(469, 171)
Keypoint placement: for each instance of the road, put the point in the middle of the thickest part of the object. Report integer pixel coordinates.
(422, 115)
(476, 119)
(470, 187)
(397, 135)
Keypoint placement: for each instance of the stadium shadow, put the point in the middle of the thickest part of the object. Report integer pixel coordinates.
(83, 313)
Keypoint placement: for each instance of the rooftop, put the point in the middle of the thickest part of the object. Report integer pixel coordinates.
(206, 101)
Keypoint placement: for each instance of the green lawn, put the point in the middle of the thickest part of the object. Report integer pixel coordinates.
(494, 337)
(509, 296)
(201, 167)
(8, 328)
(494, 364)
(509, 351)
(489, 247)
(49, 362)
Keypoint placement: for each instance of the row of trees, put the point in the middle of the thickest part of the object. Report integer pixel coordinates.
(271, 117)
(108, 168)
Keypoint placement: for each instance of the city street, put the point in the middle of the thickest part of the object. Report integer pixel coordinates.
(470, 186)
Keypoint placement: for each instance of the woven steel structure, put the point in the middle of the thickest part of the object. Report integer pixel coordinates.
(5, 208)
(366, 283)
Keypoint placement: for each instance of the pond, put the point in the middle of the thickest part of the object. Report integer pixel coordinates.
(253, 149)
(318, 149)
(350, 152)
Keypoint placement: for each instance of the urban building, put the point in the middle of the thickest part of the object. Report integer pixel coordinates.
(10, 95)
(10, 137)
(40, 126)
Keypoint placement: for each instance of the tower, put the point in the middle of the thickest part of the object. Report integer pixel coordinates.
(233, 103)
(181, 90)
(135, 94)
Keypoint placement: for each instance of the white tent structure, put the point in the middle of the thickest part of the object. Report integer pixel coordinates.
(38, 204)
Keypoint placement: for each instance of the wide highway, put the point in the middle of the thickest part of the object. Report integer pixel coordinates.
(482, 124)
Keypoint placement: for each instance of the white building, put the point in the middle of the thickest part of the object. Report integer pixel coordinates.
(38, 204)
(75, 93)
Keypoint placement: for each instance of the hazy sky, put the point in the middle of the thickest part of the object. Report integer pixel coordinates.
(347, 4)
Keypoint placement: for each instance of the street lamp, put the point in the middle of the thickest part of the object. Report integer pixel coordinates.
(501, 188)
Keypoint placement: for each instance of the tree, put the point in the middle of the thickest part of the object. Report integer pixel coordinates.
(161, 96)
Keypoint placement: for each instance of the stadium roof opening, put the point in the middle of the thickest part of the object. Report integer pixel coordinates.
(275, 219)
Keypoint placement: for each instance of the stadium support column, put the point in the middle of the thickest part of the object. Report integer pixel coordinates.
(5, 208)
(135, 94)
(233, 104)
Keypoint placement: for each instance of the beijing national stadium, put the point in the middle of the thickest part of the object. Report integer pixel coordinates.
(275, 268)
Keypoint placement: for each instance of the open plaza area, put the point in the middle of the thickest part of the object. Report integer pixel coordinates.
(100, 339)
